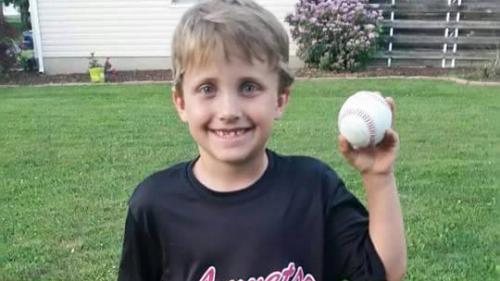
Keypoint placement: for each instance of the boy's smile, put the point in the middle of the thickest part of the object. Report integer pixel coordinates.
(229, 134)
(229, 106)
(231, 137)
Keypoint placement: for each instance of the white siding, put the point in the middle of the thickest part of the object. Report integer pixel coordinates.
(281, 8)
(117, 28)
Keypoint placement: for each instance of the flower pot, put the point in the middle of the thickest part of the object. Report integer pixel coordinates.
(97, 74)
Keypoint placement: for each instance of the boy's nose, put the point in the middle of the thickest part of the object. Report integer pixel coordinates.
(229, 108)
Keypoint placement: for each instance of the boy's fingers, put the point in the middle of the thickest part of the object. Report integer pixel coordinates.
(391, 103)
(344, 146)
(391, 139)
(392, 106)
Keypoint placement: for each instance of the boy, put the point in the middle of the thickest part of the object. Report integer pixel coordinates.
(242, 212)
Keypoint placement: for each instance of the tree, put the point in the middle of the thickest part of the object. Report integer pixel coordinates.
(24, 6)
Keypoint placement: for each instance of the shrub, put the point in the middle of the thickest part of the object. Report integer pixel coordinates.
(27, 60)
(7, 47)
(93, 63)
(334, 34)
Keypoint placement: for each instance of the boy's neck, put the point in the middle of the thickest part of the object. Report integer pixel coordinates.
(228, 177)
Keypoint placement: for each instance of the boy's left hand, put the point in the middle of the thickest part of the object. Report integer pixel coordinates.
(374, 160)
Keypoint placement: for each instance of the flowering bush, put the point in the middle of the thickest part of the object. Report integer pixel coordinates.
(334, 34)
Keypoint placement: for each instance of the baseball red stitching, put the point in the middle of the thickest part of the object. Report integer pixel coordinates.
(368, 121)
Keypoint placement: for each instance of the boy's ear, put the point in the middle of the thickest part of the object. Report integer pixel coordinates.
(282, 102)
(180, 106)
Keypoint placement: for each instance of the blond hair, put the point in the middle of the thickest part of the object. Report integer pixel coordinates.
(240, 27)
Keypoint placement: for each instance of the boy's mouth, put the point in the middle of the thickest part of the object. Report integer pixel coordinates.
(228, 133)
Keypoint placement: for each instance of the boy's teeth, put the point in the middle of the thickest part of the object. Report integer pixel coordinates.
(229, 133)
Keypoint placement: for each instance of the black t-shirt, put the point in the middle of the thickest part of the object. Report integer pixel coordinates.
(296, 223)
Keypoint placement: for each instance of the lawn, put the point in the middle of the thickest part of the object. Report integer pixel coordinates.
(71, 156)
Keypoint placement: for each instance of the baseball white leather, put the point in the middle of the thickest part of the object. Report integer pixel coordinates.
(364, 118)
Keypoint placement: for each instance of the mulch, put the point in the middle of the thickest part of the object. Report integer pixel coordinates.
(378, 72)
(33, 78)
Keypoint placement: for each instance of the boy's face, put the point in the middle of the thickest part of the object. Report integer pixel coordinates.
(229, 107)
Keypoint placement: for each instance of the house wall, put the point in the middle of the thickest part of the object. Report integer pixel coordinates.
(136, 34)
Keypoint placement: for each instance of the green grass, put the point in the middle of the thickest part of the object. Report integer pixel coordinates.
(71, 156)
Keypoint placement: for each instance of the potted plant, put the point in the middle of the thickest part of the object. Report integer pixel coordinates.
(96, 70)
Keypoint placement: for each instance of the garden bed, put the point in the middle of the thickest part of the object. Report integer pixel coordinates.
(24, 78)
(377, 72)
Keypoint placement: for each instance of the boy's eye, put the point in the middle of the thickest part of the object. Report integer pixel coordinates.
(248, 88)
(206, 89)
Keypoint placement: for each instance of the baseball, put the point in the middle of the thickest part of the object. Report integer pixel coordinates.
(363, 119)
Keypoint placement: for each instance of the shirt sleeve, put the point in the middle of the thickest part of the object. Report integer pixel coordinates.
(141, 257)
(350, 253)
